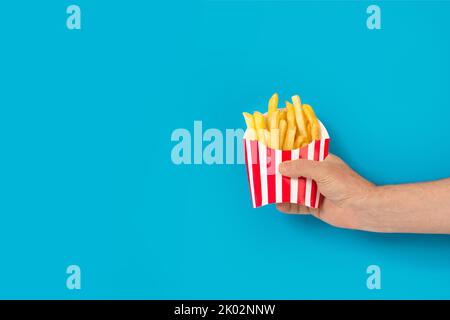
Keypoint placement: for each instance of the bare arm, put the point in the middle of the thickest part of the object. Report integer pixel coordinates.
(418, 208)
(355, 203)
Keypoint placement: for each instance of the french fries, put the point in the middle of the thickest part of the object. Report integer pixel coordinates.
(273, 104)
(289, 139)
(274, 130)
(314, 123)
(300, 118)
(260, 126)
(283, 128)
(293, 127)
(251, 128)
(300, 141)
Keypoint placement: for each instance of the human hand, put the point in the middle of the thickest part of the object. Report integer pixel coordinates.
(345, 192)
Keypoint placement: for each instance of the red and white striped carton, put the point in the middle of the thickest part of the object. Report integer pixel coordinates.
(268, 186)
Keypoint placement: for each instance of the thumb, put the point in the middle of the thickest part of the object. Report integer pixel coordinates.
(303, 168)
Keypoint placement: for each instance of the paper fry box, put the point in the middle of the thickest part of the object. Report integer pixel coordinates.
(268, 186)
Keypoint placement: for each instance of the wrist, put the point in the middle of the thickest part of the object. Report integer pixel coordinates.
(372, 217)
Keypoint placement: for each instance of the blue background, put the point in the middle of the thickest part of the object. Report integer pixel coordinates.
(86, 117)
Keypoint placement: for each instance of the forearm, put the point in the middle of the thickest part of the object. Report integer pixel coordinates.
(412, 208)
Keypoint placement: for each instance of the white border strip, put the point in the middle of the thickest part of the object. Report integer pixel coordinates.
(278, 177)
(263, 170)
(250, 170)
(294, 181)
(323, 131)
(321, 157)
(308, 180)
(322, 150)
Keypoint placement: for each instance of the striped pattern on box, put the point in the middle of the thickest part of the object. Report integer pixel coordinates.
(268, 186)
